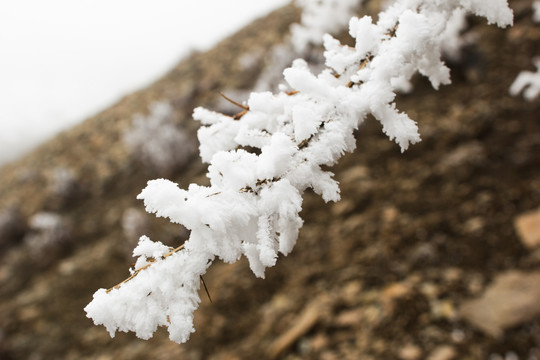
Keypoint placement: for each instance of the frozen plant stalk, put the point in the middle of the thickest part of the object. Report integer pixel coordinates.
(251, 207)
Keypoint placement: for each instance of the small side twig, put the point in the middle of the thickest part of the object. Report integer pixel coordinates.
(234, 102)
(206, 289)
(363, 64)
(241, 113)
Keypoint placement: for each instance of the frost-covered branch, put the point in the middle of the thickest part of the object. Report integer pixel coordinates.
(252, 205)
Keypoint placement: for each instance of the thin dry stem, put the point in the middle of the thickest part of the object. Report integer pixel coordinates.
(206, 289)
(145, 267)
(234, 102)
(240, 114)
(363, 64)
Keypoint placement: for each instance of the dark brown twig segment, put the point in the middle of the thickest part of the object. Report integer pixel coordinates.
(206, 289)
(363, 64)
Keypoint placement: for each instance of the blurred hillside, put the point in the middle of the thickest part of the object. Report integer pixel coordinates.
(389, 272)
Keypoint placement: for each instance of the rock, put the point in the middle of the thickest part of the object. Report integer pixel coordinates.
(349, 318)
(64, 184)
(319, 342)
(158, 141)
(423, 253)
(303, 323)
(527, 226)
(458, 336)
(342, 207)
(224, 355)
(48, 239)
(443, 352)
(470, 153)
(410, 352)
(429, 290)
(351, 292)
(390, 214)
(329, 355)
(443, 309)
(12, 228)
(392, 293)
(511, 300)
(395, 291)
(355, 174)
(474, 225)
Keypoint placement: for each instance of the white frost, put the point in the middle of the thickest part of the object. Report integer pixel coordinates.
(261, 163)
(528, 82)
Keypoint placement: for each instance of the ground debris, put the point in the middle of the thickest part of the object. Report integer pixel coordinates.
(527, 226)
(304, 322)
(443, 352)
(511, 300)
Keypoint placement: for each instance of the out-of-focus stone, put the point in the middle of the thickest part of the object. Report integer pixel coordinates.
(350, 293)
(443, 309)
(49, 238)
(527, 226)
(302, 324)
(328, 355)
(319, 342)
(443, 352)
(394, 292)
(429, 290)
(469, 153)
(342, 207)
(512, 299)
(355, 174)
(12, 227)
(349, 318)
(410, 352)
(474, 225)
(390, 214)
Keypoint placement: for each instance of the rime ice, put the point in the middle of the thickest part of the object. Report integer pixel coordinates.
(252, 205)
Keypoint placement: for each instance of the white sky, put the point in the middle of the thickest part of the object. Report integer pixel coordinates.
(63, 60)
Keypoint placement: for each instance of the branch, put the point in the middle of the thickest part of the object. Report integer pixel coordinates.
(151, 261)
(252, 205)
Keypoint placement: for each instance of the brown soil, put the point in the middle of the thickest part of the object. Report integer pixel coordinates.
(379, 275)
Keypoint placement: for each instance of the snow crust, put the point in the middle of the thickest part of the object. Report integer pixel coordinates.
(252, 205)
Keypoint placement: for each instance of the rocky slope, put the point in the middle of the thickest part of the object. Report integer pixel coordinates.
(389, 272)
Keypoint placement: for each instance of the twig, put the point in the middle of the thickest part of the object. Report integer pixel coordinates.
(206, 289)
(240, 114)
(233, 102)
(363, 64)
(145, 267)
